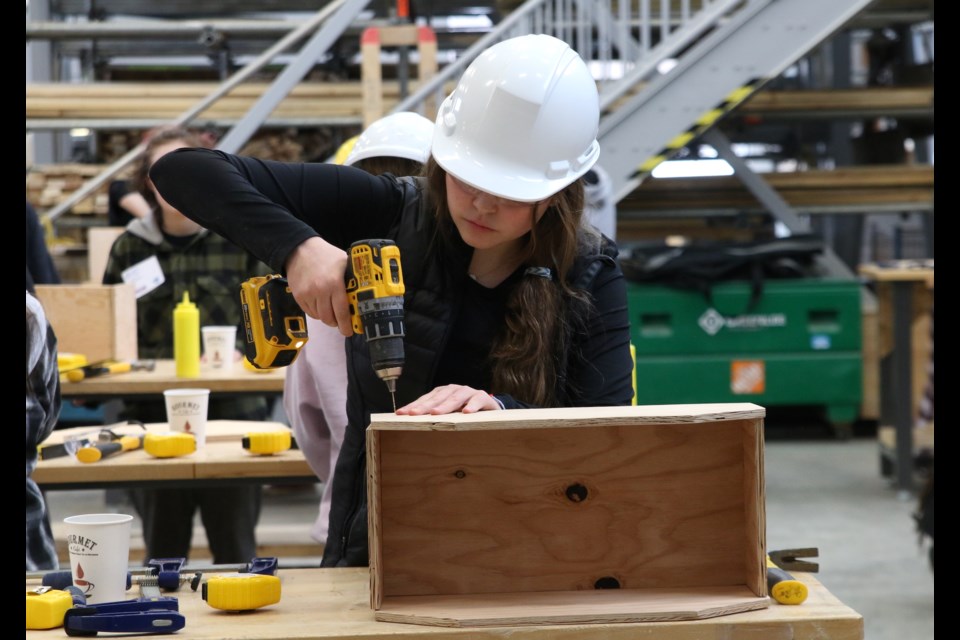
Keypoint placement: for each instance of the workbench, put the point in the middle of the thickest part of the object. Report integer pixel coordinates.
(222, 461)
(335, 604)
(901, 285)
(232, 379)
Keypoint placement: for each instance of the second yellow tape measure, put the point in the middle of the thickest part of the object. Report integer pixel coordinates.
(169, 445)
(267, 442)
(241, 591)
(46, 607)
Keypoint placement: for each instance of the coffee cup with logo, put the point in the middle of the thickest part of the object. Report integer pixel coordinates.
(99, 548)
(219, 343)
(187, 412)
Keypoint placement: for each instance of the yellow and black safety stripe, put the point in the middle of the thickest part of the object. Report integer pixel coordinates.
(701, 124)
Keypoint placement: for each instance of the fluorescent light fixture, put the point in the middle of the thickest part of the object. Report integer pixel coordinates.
(692, 169)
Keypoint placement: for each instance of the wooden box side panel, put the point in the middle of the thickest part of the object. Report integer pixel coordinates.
(755, 521)
(125, 322)
(98, 321)
(563, 509)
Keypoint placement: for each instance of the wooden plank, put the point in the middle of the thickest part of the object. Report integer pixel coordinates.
(571, 607)
(848, 186)
(885, 100)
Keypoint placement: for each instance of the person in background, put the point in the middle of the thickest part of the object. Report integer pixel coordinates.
(167, 248)
(40, 266)
(315, 387)
(43, 409)
(511, 299)
(124, 204)
(599, 207)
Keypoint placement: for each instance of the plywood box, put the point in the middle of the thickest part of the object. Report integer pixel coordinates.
(98, 321)
(547, 516)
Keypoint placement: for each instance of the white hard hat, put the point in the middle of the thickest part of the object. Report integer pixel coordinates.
(522, 122)
(402, 135)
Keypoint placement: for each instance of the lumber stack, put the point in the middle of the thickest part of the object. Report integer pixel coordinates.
(859, 188)
(49, 185)
(152, 100)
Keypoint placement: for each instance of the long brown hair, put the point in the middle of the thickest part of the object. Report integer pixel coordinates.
(529, 351)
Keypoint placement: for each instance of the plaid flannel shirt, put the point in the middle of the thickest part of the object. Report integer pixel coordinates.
(210, 269)
(43, 409)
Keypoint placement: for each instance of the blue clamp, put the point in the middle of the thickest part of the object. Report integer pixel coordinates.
(266, 566)
(140, 615)
(167, 571)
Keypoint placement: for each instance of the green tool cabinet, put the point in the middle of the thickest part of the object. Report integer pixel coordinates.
(799, 344)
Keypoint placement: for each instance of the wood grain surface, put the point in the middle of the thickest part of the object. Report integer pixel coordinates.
(223, 458)
(232, 379)
(333, 604)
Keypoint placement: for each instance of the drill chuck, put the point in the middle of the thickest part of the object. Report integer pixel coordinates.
(383, 330)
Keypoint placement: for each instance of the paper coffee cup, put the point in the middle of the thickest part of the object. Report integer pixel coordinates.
(219, 343)
(99, 547)
(187, 412)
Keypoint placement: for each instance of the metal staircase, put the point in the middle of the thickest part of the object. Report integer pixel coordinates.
(718, 52)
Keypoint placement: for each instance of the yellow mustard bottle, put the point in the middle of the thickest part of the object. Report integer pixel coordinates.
(186, 338)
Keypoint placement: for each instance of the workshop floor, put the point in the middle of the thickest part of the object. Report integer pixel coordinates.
(821, 492)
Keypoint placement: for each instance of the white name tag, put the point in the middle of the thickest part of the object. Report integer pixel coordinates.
(145, 276)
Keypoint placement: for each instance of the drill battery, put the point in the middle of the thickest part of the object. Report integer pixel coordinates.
(275, 325)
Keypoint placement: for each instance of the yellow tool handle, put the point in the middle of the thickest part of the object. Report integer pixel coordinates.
(783, 587)
(77, 375)
(99, 451)
(169, 445)
(241, 591)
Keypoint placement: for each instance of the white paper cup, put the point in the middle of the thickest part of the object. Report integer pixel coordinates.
(219, 343)
(187, 412)
(99, 546)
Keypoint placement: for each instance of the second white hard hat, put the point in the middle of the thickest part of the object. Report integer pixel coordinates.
(402, 135)
(522, 122)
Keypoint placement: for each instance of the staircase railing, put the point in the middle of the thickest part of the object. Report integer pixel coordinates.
(624, 43)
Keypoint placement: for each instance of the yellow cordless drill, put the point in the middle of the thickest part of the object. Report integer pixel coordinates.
(276, 328)
(375, 292)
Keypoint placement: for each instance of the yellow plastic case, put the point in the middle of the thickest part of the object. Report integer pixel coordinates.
(169, 445)
(241, 591)
(267, 442)
(46, 610)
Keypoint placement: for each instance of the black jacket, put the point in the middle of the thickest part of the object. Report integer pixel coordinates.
(269, 208)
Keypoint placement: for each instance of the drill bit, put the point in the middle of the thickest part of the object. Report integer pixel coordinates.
(391, 383)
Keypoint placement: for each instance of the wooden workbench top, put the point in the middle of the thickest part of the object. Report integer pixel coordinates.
(900, 271)
(223, 458)
(334, 604)
(233, 379)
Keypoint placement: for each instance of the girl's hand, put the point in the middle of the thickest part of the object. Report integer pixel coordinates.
(315, 272)
(450, 399)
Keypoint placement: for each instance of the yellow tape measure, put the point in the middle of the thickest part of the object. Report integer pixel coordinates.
(169, 445)
(241, 591)
(46, 607)
(267, 442)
